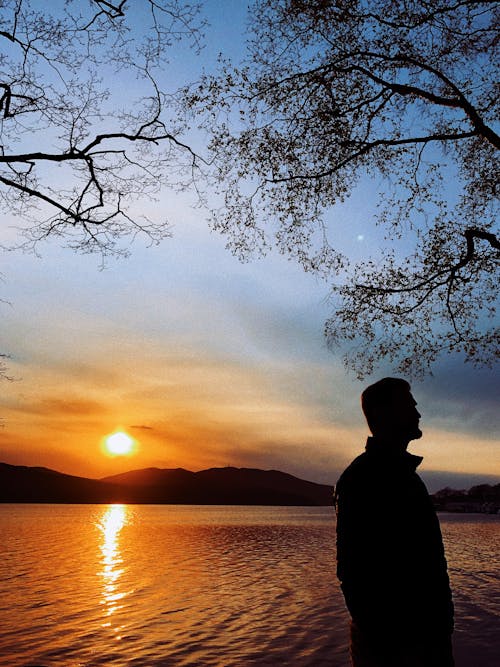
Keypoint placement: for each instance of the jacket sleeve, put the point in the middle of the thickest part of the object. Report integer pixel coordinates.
(358, 551)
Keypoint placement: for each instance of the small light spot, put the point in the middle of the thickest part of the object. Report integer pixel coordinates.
(360, 237)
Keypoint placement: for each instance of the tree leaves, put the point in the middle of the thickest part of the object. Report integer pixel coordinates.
(333, 92)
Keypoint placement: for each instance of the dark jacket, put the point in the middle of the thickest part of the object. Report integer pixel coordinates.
(390, 556)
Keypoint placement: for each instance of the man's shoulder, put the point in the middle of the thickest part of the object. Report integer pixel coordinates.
(356, 470)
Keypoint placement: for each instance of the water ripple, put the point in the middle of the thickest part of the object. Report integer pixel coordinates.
(153, 586)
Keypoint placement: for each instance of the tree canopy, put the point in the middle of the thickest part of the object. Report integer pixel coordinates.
(335, 93)
(83, 132)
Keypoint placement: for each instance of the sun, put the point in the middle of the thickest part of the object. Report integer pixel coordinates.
(119, 444)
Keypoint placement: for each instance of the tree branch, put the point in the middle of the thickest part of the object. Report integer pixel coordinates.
(39, 195)
(368, 146)
(457, 102)
(469, 235)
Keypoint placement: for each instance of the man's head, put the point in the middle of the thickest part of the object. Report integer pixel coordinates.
(390, 410)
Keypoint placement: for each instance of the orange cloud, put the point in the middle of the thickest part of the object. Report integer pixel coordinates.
(190, 408)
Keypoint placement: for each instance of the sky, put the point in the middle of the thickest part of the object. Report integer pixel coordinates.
(206, 361)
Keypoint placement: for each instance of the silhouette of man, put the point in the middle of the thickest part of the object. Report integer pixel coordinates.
(390, 556)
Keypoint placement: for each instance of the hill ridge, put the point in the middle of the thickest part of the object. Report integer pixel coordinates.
(214, 486)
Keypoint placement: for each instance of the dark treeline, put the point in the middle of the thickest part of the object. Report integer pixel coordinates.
(480, 498)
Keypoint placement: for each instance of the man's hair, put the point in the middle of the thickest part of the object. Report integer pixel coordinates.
(380, 395)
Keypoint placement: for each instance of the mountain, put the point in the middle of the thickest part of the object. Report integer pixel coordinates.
(216, 486)
(23, 484)
(225, 486)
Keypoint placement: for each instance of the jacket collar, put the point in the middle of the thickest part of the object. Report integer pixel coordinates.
(377, 447)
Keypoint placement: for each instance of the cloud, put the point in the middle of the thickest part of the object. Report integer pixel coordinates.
(461, 398)
(211, 362)
(65, 407)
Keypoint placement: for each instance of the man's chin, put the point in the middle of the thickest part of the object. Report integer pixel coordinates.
(416, 434)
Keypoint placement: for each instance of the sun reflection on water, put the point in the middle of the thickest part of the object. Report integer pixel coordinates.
(110, 524)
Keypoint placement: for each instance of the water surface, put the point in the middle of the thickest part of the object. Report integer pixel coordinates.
(151, 586)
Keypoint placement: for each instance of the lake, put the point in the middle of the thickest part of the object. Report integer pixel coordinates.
(163, 585)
